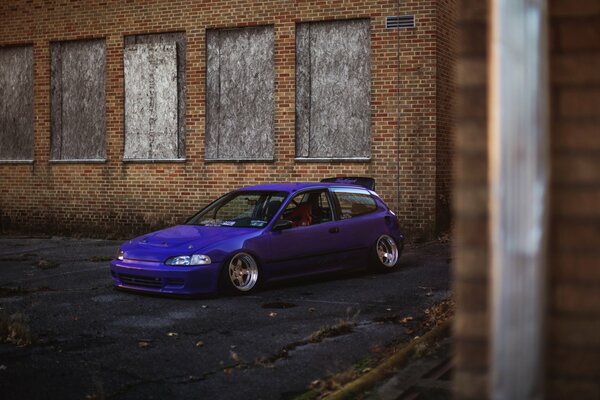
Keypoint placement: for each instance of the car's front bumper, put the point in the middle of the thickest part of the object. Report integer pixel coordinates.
(155, 277)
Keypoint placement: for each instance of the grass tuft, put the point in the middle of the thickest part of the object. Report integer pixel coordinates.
(46, 264)
(14, 329)
(341, 328)
(354, 382)
(13, 291)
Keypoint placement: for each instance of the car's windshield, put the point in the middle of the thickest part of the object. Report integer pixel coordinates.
(243, 209)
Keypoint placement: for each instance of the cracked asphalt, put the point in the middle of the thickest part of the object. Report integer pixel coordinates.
(91, 341)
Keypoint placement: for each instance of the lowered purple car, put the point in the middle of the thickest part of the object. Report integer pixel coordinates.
(264, 233)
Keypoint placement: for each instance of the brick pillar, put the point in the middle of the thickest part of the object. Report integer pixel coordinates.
(573, 341)
(572, 366)
(470, 203)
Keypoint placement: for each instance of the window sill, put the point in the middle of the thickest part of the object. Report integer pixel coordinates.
(16, 161)
(154, 161)
(333, 159)
(239, 160)
(81, 161)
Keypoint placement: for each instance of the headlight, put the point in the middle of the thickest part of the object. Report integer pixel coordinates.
(195, 259)
(120, 254)
(200, 259)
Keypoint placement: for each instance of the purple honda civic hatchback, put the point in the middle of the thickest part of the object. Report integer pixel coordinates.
(264, 233)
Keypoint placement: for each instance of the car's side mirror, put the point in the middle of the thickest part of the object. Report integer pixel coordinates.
(283, 224)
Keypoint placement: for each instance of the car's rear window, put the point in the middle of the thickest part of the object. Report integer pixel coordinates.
(354, 202)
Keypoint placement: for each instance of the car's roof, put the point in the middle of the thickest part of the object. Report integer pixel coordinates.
(295, 186)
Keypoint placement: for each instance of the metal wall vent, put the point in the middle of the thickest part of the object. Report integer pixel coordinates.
(402, 21)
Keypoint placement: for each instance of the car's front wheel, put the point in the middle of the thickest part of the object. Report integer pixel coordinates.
(241, 274)
(386, 254)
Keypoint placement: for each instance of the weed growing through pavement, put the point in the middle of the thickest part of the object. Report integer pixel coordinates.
(13, 291)
(342, 327)
(434, 316)
(21, 291)
(14, 329)
(438, 313)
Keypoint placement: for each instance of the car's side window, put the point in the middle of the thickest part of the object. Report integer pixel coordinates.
(354, 202)
(308, 208)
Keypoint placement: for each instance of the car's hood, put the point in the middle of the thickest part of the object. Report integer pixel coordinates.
(198, 236)
(181, 240)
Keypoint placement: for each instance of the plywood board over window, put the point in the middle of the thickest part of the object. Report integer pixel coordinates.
(155, 84)
(78, 94)
(333, 89)
(16, 103)
(240, 94)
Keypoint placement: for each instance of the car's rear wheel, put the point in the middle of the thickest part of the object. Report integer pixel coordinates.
(386, 253)
(241, 274)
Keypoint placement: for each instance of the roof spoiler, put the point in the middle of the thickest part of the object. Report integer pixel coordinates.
(367, 183)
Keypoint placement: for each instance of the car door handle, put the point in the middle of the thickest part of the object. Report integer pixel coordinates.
(334, 230)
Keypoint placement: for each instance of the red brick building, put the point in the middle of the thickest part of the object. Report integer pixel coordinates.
(90, 144)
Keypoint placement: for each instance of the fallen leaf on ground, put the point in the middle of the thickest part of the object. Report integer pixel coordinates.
(199, 343)
(143, 344)
(172, 334)
(272, 314)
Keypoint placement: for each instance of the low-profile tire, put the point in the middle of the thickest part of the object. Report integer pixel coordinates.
(240, 274)
(386, 254)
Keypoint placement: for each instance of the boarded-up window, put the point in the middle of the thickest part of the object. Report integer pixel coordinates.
(239, 94)
(333, 89)
(16, 103)
(78, 85)
(155, 97)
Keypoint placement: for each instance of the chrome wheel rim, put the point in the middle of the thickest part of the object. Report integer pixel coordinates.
(387, 251)
(243, 272)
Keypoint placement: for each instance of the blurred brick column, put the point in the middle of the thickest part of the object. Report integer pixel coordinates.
(573, 329)
(573, 351)
(470, 203)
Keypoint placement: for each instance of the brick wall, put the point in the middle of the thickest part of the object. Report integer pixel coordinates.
(572, 356)
(573, 342)
(118, 197)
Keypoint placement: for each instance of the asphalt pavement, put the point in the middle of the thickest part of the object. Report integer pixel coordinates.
(89, 341)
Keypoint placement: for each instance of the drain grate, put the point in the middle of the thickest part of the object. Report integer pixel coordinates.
(435, 384)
